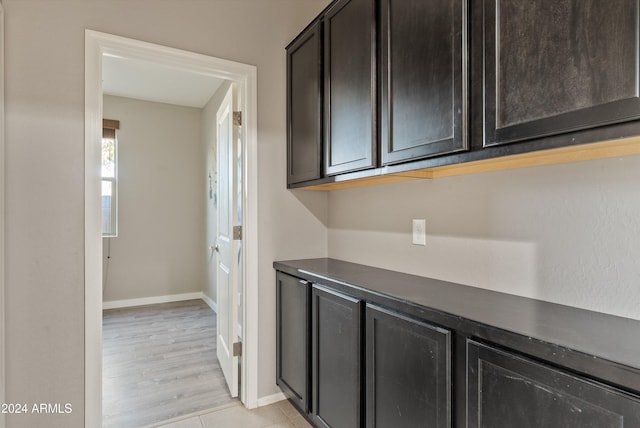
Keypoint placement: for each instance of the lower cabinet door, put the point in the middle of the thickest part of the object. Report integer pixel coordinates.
(336, 355)
(292, 338)
(506, 390)
(407, 372)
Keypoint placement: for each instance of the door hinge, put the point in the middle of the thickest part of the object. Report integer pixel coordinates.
(237, 118)
(237, 349)
(237, 233)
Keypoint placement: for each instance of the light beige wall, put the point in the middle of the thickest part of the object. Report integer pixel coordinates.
(568, 234)
(209, 147)
(2, 161)
(161, 232)
(45, 171)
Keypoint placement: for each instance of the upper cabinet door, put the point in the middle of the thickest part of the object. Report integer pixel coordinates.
(304, 106)
(558, 66)
(424, 78)
(350, 82)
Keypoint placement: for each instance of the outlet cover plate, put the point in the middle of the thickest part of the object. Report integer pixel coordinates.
(419, 231)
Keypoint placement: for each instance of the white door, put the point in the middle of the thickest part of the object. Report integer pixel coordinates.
(227, 247)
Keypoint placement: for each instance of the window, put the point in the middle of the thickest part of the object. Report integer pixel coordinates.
(109, 178)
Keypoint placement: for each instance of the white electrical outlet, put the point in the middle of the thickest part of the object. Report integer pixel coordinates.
(419, 231)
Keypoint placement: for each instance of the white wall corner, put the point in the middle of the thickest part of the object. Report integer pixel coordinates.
(209, 301)
(2, 226)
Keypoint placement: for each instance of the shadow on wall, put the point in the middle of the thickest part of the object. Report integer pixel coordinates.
(316, 202)
(506, 266)
(512, 205)
(564, 233)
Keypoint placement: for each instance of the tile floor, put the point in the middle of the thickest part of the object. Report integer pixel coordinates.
(278, 415)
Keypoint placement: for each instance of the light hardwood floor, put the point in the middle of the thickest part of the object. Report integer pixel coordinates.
(159, 363)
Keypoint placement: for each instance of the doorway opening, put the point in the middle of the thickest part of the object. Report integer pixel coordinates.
(97, 46)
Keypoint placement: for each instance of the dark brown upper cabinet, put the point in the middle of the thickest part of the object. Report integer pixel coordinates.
(552, 67)
(350, 86)
(423, 71)
(392, 90)
(304, 106)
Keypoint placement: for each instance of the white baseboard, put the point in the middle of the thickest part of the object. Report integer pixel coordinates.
(209, 301)
(270, 399)
(114, 304)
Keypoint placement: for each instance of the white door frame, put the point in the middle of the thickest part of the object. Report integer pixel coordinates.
(96, 45)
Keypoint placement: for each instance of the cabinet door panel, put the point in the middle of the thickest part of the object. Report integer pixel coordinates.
(350, 81)
(407, 372)
(558, 66)
(293, 338)
(505, 390)
(423, 70)
(304, 107)
(336, 359)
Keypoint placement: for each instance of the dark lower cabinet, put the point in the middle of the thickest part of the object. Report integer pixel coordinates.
(336, 356)
(293, 298)
(505, 390)
(347, 360)
(408, 380)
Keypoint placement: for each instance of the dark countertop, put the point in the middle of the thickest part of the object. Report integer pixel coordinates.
(599, 335)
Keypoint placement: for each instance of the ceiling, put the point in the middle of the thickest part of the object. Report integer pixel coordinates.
(145, 80)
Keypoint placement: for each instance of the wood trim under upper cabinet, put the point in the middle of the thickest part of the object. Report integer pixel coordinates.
(602, 150)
